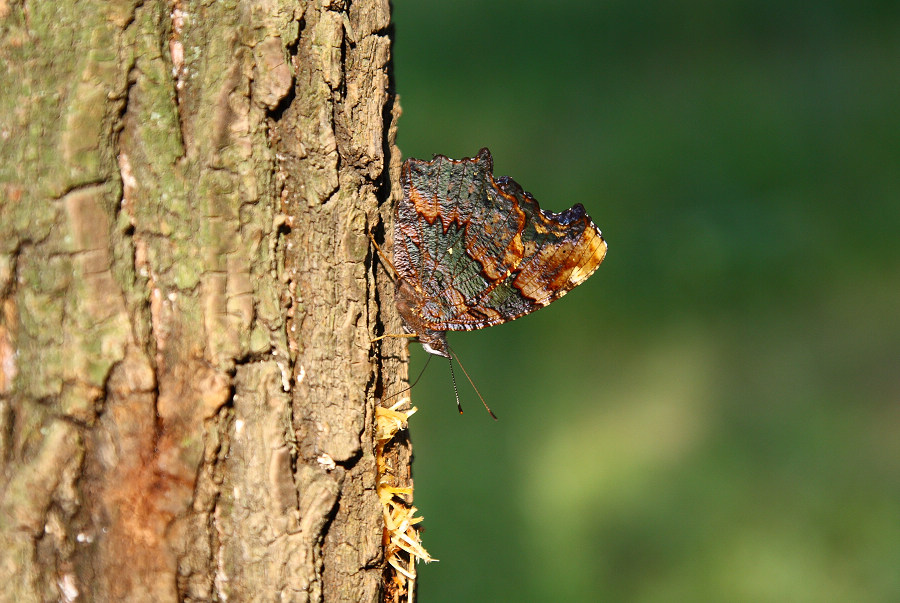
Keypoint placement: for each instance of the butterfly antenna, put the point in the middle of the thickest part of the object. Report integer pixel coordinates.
(453, 378)
(466, 373)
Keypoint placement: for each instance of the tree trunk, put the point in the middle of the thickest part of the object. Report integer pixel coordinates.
(187, 299)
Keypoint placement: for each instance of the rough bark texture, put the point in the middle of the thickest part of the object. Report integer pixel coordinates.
(187, 297)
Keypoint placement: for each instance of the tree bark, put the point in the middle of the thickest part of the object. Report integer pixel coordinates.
(187, 299)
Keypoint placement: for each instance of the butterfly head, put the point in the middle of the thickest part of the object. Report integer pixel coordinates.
(435, 342)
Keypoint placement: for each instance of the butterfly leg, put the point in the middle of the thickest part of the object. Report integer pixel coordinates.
(384, 259)
(404, 335)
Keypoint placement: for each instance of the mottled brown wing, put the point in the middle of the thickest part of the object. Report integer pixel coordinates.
(475, 251)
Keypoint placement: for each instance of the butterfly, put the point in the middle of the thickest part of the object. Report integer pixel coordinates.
(472, 251)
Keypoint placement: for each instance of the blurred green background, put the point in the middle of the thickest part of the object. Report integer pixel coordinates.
(715, 414)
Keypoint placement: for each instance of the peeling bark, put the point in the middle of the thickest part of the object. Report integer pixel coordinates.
(187, 299)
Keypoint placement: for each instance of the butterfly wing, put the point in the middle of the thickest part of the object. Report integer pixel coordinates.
(476, 251)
